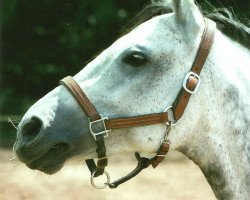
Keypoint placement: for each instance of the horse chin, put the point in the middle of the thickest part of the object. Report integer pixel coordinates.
(50, 170)
(52, 161)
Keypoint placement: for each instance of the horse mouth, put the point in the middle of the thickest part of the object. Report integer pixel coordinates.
(52, 161)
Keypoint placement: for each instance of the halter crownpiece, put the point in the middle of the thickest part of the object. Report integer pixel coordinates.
(105, 125)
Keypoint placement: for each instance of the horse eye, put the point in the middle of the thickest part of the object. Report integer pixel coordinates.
(135, 59)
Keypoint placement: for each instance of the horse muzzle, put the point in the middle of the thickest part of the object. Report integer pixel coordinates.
(37, 150)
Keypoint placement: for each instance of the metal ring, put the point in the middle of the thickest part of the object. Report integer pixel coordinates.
(105, 184)
(169, 107)
(173, 122)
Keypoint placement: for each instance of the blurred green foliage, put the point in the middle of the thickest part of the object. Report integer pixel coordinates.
(43, 41)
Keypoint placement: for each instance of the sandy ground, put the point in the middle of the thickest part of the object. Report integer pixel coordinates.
(177, 178)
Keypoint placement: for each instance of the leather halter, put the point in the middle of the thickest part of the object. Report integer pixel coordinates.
(100, 126)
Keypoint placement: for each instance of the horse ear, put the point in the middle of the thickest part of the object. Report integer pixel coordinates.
(188, 14)
(167, 2)
(157, 1)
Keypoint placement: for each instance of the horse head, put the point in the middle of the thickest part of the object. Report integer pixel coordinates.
(140, 73)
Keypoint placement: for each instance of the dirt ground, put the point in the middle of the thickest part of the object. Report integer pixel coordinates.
(177, 178)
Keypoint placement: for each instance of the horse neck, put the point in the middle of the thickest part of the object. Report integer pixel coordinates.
(220, 144)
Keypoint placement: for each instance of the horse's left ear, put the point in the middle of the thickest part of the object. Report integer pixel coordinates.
(161, 1)
(188, 15)
(153, 1)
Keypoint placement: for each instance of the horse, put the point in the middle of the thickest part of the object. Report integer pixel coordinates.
(140, 74)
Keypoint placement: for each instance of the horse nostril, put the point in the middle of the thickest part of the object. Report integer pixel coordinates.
(32, 128)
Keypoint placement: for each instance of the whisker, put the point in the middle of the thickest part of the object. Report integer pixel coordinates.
(17, 164)
(10, 121)
(12, 159)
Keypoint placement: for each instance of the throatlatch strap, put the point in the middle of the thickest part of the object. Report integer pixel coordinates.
(183, 97)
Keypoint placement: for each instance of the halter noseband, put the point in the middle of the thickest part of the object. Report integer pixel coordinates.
(100, 126)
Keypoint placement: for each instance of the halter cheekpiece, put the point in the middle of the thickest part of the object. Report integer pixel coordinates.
(100, 126)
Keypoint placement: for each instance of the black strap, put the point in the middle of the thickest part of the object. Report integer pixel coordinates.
(91, 165)
(143, 163)
(102, 160)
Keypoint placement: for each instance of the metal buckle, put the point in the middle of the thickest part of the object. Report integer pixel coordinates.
(105, 132)
(185, 82)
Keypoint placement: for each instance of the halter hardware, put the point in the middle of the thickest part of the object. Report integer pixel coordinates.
(190, 85)
(186, 79)
(93, 123)
(172, 122)
(105, 184)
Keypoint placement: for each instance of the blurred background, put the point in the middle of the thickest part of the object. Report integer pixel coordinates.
(43, 41)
